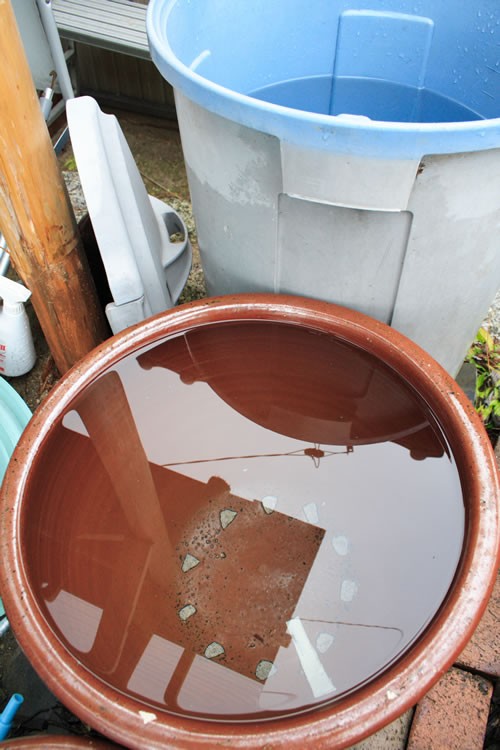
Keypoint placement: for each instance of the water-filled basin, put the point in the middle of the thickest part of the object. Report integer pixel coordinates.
(252, 520)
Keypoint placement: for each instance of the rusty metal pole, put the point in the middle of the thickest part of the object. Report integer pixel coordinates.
(36, 217)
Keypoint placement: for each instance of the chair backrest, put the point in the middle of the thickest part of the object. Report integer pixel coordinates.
(146, 270)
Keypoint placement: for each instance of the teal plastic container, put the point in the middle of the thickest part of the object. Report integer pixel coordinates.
(14, 416)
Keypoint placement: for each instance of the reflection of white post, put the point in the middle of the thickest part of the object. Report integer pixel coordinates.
(316, 676)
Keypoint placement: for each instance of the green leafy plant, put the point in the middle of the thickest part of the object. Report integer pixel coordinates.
(70, 164)
(484, 354)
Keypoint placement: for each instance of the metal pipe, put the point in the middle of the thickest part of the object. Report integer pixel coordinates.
(4, 256)
(54, 40)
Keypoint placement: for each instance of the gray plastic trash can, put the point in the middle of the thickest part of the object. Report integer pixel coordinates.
(348, 151)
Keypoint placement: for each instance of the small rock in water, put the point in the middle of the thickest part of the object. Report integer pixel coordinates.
(264, 669)
(189, 562)
(323, 642)
(227, 516)
(269, 504)
(186, 612)
(213, 650)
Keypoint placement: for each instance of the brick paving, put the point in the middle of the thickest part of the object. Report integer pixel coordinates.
(453, 715)
(482, 654)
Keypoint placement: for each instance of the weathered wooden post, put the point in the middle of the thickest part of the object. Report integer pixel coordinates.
(36, 217)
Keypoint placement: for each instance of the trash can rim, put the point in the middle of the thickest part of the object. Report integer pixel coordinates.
(349, 134)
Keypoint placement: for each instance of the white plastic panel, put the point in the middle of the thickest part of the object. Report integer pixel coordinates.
(131, 228)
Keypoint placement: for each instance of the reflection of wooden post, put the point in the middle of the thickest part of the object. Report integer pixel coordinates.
(35, 214)
(105, 411)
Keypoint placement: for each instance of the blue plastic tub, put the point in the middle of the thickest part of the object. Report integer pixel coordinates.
(344, 149)
(427, 71)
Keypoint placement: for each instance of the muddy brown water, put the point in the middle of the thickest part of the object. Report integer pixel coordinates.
(243, 522)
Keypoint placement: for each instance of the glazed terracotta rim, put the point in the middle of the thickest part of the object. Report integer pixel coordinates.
(57, 742)
(365, 710)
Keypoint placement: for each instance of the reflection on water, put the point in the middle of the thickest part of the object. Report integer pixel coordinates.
(244, 521)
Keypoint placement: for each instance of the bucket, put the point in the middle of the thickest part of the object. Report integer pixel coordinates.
(249, 521)
(348, 152)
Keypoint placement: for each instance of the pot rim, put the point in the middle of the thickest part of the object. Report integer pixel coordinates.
(57, 742)
(366, 709)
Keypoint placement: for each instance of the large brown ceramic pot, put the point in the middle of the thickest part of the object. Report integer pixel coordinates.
(253, 521)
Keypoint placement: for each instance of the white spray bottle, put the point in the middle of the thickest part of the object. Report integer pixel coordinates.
(17, 353)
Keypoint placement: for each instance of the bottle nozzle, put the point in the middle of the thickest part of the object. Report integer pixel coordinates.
(7, 715)
(17, 352)
(14, 295)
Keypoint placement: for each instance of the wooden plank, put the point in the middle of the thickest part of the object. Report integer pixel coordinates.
(88, 72)
(128, 77)
(154, 86)
(35, 213)
(99, 75)
(97, 69)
